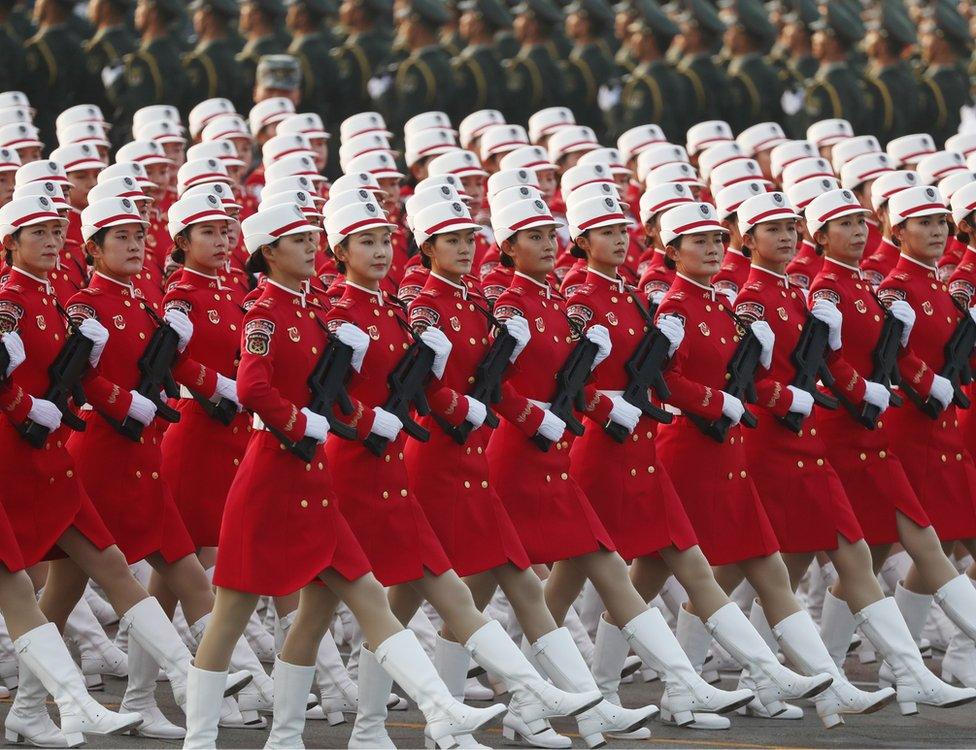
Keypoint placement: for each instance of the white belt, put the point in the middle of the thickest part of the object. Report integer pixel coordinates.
(672, 409)
(85, 407)
(185, 392)
(540, 404)
(611, 394)
(256, 422)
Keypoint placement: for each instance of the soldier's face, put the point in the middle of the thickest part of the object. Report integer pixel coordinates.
(235, 173)
(175, 152)
(158, 174)
(475, 188)
(773, 243)
(123, 252)
(605, 247)
(923, 237)
(6, 186)
(82, 180)
(208, 245)
(245, 149)
(533, 250)
(29, 154)
(37, 247)
(698, 256)
(844, 238)
(451, 254)
(368, 256)
(391, 193)
(321, 148)
(547, 182)
(294, 257)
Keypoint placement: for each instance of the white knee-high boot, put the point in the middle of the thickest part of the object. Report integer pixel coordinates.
(204, 696)
(374, 687)
(451, 661)
(140, 696)
(755, 708)
(98, 654)
(694, 639)
(291, 685)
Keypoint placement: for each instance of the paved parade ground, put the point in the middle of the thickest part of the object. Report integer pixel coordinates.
(955, 728)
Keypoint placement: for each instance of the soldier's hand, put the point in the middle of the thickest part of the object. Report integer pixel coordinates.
(600, 336)
(674, 329)
(903, 312)
(316, 426)
(436, 340)
(876, 395)
(386, 424)
(941, 391)
(732, 407)
(624, 413)
(518, 328)
(141, 409)
(95, 332)
(356, 338)
(15, 351)
(44, 413)
(477, 412)
(226, 388)
(552, 427)
(802, 401)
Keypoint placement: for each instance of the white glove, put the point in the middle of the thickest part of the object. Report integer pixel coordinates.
(624, 413)
(386, 424)
(356, 338)
(941, 391)
(182, 325)
(767, 338)
(732, 407)
(477, 412)
(377, 86)
(552, 427)
(95, 332)
(904, 312)
(607, 97)
(828, 313)
(226, 388)
(972, 313)
(674, 328)
(656, 297)
(441, 344)
(802, 401)
(876, 395)
(316, 426)
(600, 336)
(142, 409)
(730, 295)
(518, 327)
(15, 351)
(45, 413)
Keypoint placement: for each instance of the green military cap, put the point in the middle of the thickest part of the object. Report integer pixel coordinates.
(544, 10)
(271, 7)
(598, 10)
(319, 7)
(491, 10)
(227, 8)
(950, 24)
(652, 18)
(750, 15)
(278, 72)
(432, 11)
(841, 23)
(803, 12)
(892, 21)
(703, 15)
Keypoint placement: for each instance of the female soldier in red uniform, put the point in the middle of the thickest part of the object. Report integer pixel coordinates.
(71, 526)
(656, 277)
(385, 515)
(276, 495)
(879, 491)
(638, 496)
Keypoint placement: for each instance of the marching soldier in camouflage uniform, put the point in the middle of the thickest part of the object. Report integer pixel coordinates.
(756, 91)
(478, 70)
(892, 89)
(312, 46)
(652, 93)
(796, 64)
(946, 46)
(590, 65)
(707, 86)
(625, 14)
(533, 76)
(261, 24)
(424, 80)
(211, 67)
(105, 51)
(153, 74)
(836, 90)
(365, 50)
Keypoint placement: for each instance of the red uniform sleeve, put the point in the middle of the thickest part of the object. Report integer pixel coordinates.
(444, 402)
(771, 394)
(846, 377)
(105, 396)
(187, 371)
(687, 394)
(362, 417)
(914, 371)
(14, 400)
(256, 375)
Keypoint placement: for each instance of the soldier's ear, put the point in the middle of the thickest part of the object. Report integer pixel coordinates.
(967, 226)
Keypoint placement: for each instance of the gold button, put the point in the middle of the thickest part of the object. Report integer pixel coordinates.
(882, 454)
(730, 475)
(630, 331)
(880, 425)
(233, 327)
(820, 462)
(472, 341)
(471, 308)
(155, 475)
(813, 431)
(548, 478)
(304, 503)
(467, 485)
(308, 467)
(650, 434)
(51, 480)
(468, 450)
(484, 484)
(142, 335)
(799, 464)
(614, 300)
(385, 494)
(633, 472)
(69, 473)
(877, 318)
(376, 313)
(742, 474)
(959, 456)
(635, 437)
(864, 456)
(944, 458)
(650, 469)
(237, 462)
(708, 308)
(720, 307)
(564, 475)
(480, 450)
(321, 465)
(387, 458)
(484, 341)
(471, 380)
(404, 493)
(389, 313)
(325, 503)
(138, 474)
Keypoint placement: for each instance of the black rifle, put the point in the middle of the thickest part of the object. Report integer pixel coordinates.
(570, 379)
(884, 360)
(740, 381)
(156, 365)
(645, 369)
(327, 384)
(407, 383)
(223, 410)
(956, 369)
(487, 387)
(810, 359)
(65, 373)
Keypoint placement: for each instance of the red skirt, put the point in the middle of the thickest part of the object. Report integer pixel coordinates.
(939, 468)
(718, 494)
(10, 555)
(553, 516)
(124, 480)
(374, 496)
(630, 491)
(802, 494)
(282, 526)
(451, 483)
(872, 475)
(43, 497)
(200, 459)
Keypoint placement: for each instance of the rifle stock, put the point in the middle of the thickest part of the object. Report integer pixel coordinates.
(407, 383)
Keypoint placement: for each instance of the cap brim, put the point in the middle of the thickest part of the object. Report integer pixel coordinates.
(386, 174)
(301, 228)
(86, 164)
(154, 160)
(704, 226)
(214, 216)
(41, 219)
(830, 140)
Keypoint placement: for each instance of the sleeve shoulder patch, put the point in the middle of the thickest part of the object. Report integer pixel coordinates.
(890, 295)
(422, 316)
(826, 294)
(80, 311)
(504, 312)
(10, 315)
(182, 305)
(750, 310)
(257, 336)
(580, 312)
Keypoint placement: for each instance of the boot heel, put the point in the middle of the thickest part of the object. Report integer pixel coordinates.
(907, 708)
(594, 740)
(334, 718)
(508, 733)
(12, 737)
(536, 725)
(75, 739)
(832, 720)
(429, 743)
(251, 717)
(683, 718)
(775, 708)
(94, 682)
